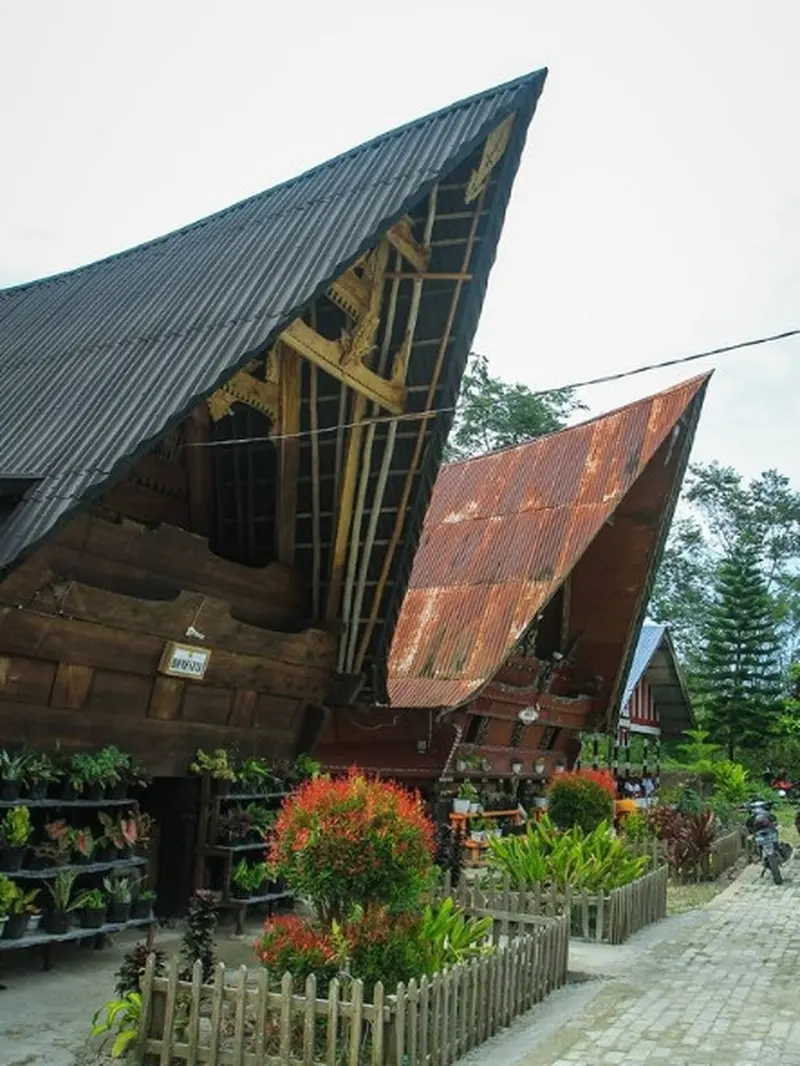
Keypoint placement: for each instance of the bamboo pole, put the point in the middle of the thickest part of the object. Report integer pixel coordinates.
(391, 435)
(417, 454)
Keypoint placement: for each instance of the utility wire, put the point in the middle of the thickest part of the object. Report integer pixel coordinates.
(418, 416)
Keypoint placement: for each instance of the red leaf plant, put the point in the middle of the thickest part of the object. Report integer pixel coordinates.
(353, 842)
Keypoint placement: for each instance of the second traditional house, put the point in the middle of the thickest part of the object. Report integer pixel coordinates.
(526, 596)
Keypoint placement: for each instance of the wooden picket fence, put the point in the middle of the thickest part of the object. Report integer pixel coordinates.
(610, 916)
(726, 851)
(247, 1018)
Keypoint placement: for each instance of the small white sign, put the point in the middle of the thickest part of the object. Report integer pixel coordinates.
(183, 660)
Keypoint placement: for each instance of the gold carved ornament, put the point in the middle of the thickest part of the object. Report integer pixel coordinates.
(493, 150)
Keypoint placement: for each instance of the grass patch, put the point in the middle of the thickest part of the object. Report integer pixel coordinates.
(683, 898)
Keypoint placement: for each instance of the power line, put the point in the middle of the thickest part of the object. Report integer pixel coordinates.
(421, 415)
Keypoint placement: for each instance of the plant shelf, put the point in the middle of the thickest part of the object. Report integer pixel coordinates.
(49, 872)
(37, 939)
(233, 797)
(87, 804)
(223, 849)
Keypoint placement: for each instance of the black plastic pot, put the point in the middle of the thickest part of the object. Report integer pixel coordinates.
(69, 792)
(141, 908)
(57, 922)
(119, 912)
(38, 790)
(10, 790)
(118, 791)
(93, 917)
(95, 793)
(15, 926)
(106, 853)
(11, 859)
(238, 892)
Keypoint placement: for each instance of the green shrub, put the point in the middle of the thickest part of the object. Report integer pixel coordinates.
(576, 800)
(596, 861)
(731, 781)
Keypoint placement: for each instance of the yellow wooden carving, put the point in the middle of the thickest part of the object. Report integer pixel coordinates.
(402, 239)
(350, 292)
(496, 144)
(244, 388)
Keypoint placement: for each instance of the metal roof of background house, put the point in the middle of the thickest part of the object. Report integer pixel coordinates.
(98, 363)
(502, 533)
(656, 661)
(649, 640)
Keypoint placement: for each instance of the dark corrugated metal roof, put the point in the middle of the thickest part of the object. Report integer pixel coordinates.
(503, 532)
(97, 363)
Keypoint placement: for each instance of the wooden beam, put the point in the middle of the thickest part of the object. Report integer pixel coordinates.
(410, 275)
(402, 239)
(332, 356)
(198, 470)
(289, 451)
(346, 504)
(244, 388)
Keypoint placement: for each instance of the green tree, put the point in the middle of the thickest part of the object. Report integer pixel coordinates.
(740, 676)
(493, 414)
(718, 510)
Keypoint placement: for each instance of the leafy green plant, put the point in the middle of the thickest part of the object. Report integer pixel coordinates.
(22, 902)
(448, 937)
(467, 791)
(217, 764)
(304, 768)
(112, 766)
(731, 781)
(119, 888)
(119, 1021)
(250, 876)
(578, 800)
(256, 774)
(7, 894)
(595, 861)
(94, 900)
(83, 771)
(13, 765)
(198, 939)
(120, 833)
(83, 842)
(61, 894)
(41, 770)
(16, 828)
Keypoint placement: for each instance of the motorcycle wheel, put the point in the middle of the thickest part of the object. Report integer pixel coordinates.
(774, 864)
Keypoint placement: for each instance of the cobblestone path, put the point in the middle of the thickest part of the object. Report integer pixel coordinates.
(723, 992)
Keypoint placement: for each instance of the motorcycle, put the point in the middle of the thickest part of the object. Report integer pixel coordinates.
(763, 828)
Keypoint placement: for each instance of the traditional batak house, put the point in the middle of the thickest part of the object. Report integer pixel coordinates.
(528, 589)
(655, 703)
(217, 449)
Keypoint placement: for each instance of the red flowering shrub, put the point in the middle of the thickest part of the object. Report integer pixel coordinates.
(353, 842)
(582, 797)
(293, 945)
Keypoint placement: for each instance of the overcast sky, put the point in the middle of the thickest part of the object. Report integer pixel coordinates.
(656, 212)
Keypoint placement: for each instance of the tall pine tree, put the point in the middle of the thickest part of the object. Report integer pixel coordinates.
(740, 672)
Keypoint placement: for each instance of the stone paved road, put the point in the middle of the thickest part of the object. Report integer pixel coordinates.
(723, 989)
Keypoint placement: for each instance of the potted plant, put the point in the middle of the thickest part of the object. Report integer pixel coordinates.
(12, 773)
(93, 911)
(236, 825)
(144, 824)
(40, 774)
(467, 795)
(7, 893)
(83, 844)
(143, 900)
(256, 775)
(15, 832)
(120, 896)
(138, 777)
(113, 769)
(249, 879)
(478, 830)
(304, 768)
(85, 776)
(57, 849)
(217, 766)
(119, 837)
(20, 906)
(63, 903)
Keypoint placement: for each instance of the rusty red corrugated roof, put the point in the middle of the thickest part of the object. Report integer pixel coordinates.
(502, 533)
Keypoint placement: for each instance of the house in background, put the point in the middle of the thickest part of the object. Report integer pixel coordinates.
(655, 702)
(528, 588)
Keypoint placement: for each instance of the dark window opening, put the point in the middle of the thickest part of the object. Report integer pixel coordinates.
(477, 729)
(548, 633)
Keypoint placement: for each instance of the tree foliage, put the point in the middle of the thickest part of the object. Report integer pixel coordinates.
(740, 675)
(493, 414)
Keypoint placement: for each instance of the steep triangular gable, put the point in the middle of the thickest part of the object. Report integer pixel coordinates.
(98, 363)
(505, 530)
